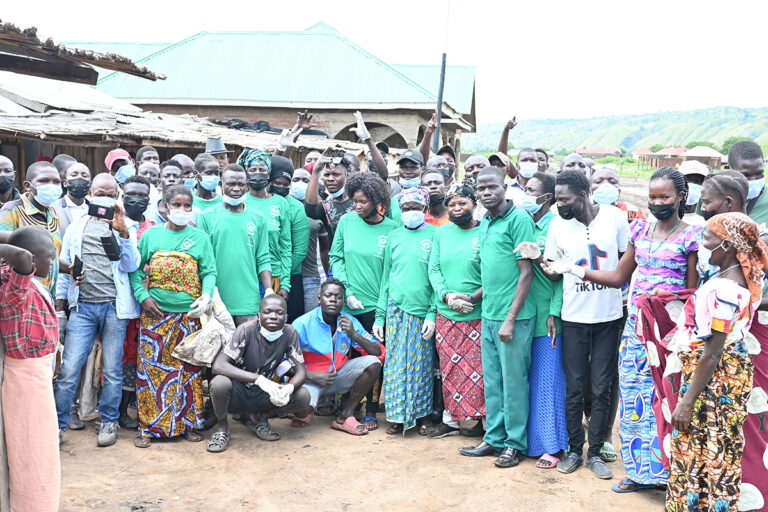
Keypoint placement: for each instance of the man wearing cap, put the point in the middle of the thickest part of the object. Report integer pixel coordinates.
(215, 147)
(515, 185)
(410, 167)
(695, 172)
(120, 165)
(440, 164)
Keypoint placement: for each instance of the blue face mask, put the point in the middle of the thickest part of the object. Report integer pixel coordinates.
(528, 169)
(530, 205)
(124, 173)
(47, 194)
(108, 202)
(413, 182)
(755, 187)
(299, 190)
(180, 217)
(606, 194)
(694, 194)
(190, 182)
(337, 193)
(413, 219)
(231, 201)
(209, 182)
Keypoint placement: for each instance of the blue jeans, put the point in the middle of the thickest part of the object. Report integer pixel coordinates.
(311, 293)
(87, 321)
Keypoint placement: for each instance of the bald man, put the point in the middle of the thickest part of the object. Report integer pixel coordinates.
(8, 192)
(100, 303)
(575, 162)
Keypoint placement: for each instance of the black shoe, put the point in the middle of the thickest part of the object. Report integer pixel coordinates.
(443, 430)
(476, 431)
(128, 423)
(75, 423)
(570, 463)
(509, 458)
(481, 450)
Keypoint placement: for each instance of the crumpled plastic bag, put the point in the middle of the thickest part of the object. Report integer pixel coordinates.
(201, 347)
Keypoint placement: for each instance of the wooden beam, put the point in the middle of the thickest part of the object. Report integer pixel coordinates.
(68, 72)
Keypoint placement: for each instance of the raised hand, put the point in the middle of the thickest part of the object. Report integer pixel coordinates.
(360, 130)
(304, 121)
(511, 123)
(432, 124)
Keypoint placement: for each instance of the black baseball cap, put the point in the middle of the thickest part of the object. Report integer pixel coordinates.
(447, 149)
(412, 155)
(382, 146)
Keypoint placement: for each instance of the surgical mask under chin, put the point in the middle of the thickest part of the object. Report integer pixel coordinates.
(209, 182)
(180, 217)
(231, 201)
(528, 169)
(108, 202)
(299, 190)
(461, 219)
(530, 205)
(755, 187)
(270, 336)
(47, 194)
(606, 194)
(694, 194)
(413, 219)
(190, 182)
(337, 193)
(413, 182)
(125, 172)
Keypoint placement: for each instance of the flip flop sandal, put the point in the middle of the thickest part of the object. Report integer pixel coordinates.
(193, 436)
(424, 430)
(397, 428)
(142, 442)
(633, 486)
(607, 453)
(366, 419)
(304, 422)
(219, 442)
(264, 431)
(350, 426)
(547, 461)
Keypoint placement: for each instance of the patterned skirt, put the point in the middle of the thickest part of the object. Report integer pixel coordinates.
(408, 369)
(461, 365)
(169, 391)
(640, 448)
(705, 462)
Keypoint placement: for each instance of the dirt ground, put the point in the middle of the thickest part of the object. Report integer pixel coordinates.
(321, 469)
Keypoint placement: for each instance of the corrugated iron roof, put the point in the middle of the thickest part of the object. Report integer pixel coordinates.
(132, 50)
(459, 82)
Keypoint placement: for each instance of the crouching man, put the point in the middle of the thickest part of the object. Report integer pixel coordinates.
(244, 371)
(326, 336)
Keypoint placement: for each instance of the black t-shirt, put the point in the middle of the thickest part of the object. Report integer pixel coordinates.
(251, 352)
(329, 212)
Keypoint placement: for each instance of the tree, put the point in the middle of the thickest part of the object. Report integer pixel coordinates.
(695, 143)
(562, 152)
(730, 141)
(764, 147)
(656, 147)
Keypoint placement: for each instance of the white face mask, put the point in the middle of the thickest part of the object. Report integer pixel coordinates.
(528, 169)
(270, 336)
(180, 217)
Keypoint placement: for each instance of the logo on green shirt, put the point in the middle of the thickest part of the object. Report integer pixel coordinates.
(381, 241)
(426, 247)
(275, 211)
(186, 244)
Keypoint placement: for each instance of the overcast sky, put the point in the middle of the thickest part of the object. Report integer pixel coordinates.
(535, 59)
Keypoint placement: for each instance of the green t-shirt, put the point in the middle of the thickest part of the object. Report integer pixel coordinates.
(241, 246)
(300, 229)
(275, 211)
(547, 294)
(357, 258)
(758, 211)
(499, 237)
(204, 204)
(189, 240)
(394, 210)
(406, 278)
(454, 266)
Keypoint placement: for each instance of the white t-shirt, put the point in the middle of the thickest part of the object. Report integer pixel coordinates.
(597, 247)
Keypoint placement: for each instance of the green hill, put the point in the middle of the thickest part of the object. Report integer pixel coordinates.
(629, 132)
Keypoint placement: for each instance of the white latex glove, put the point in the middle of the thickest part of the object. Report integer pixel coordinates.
(286, 140)
(427, 329)
(199, 306)
(378, 332)
(528, 250)
(285, 395)
(269, 291)
(563, 266)
(460, 305)
(354, 303)
(360, 130)
(271, 388)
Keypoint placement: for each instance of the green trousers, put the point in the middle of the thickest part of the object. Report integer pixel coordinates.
(505, 377)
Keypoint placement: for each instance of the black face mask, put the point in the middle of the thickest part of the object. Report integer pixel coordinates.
(281, 191)
(135, 205)
(78, 188)
(6, 182)
(451, 168)
(436, 199)
(662, 211)
(371, 165)
(258, 182)
(461, 219)
(708, 215)
(567, 211)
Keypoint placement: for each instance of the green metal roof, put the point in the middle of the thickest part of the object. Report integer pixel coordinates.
(316, 66)
(459, 82)
(133, 51)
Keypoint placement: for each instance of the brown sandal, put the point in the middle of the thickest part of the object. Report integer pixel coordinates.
(193, 436)
(142, 441)
(396, 428)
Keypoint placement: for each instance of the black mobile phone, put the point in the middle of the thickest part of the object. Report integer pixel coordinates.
(77, 268)
(102, 212)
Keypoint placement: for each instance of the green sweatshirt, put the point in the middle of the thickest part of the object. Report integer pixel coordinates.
(454, 267)
(299, 233)
(394, 210)
(547, 295)
(757, 208)
(241, 246)
(405, 278)
(189, 240)
(275, 211)
(357, 258)
(204, 204)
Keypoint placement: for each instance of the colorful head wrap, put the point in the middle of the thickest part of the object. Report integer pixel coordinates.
(415, 195)
(460, 189)
(752, 253)
(251, 157)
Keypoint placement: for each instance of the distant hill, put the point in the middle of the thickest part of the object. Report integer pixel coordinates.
(629, 132)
